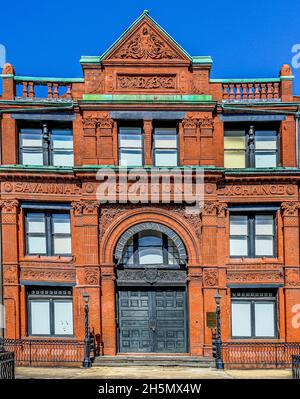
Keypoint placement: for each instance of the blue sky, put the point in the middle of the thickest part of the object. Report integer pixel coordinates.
(245, 38)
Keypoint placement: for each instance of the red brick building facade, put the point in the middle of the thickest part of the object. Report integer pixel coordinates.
(151, 270)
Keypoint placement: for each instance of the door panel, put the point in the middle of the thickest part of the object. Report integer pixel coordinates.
(152, 321)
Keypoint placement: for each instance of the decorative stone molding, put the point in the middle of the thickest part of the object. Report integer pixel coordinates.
(9, 206)
(255, 276)
(194, 276)
(211, 278)
(85, 207)
(146, 82)
(151, 226)
(146, 44)
(290, 208)
(48, 275)
(150, 276)
(91, 276)
(292, 277)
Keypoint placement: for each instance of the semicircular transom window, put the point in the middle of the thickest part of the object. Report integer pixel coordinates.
(150, 248)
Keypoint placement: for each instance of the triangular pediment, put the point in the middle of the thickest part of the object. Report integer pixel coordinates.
(145, 40)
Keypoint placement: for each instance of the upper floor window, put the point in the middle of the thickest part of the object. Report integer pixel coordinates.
(131, 146)
(252, 235)
(47, 233)
(253, 313)
(251, 147)
(165, 147)
(46, 144)
(50, 311)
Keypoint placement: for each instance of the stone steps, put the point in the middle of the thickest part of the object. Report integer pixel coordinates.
(153, 360)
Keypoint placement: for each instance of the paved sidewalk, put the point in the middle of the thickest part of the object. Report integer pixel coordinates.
(148, 372)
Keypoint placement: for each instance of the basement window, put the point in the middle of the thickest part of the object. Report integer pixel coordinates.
(254, 313)
(50, 311)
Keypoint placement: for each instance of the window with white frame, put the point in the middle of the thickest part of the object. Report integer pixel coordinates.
(50, 311)
(131, 144)
(253, 313)
(252, 234)
(46, 144)
(251, 146)
(47, 233)
(165, 146)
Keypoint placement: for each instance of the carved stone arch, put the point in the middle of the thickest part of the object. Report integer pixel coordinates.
(154, 227)
(119, 225)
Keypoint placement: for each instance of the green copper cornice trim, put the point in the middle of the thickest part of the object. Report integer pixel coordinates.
(5, 76)
(290, 77)
(47, 79)
(147, 98)
(201, 59)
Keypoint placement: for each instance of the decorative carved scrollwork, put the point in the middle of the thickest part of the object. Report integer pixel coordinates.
(146, 44)
(150, 276)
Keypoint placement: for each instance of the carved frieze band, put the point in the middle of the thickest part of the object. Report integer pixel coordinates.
(85, 207)
(193, 123)
(146, 82)
(151, 276)
(255, 276)
(48, 275)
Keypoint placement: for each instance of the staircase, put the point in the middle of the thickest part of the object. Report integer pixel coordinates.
(159, 360)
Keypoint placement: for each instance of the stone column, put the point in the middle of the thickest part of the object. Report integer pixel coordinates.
(10, 264)
(148, 131)
(108, 308)
(89, 156)
(290, 214)
(85, 232)
(195, 301)
(105, 141)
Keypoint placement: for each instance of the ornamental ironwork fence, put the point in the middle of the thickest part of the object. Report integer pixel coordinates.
(7, 365)
(296, 366)
(259, 354)
(41, 352)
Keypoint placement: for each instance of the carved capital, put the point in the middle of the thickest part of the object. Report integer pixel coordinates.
(105, 123)
(210, 208)
(190, 123)
(222, 209)
(290, 208)
(108, 274)
(9, 206)
(206, 123)
(89, 123)
(85, 207)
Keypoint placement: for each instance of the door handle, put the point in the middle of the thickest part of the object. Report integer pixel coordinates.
(152, 325)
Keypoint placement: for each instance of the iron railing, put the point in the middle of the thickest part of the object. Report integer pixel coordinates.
(259, 354)
(7, 365)
(41, 352)
(296, 366)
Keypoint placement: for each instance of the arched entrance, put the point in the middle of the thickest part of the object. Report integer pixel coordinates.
(151, 295)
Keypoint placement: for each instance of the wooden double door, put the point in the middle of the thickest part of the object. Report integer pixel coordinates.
(152, 320)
